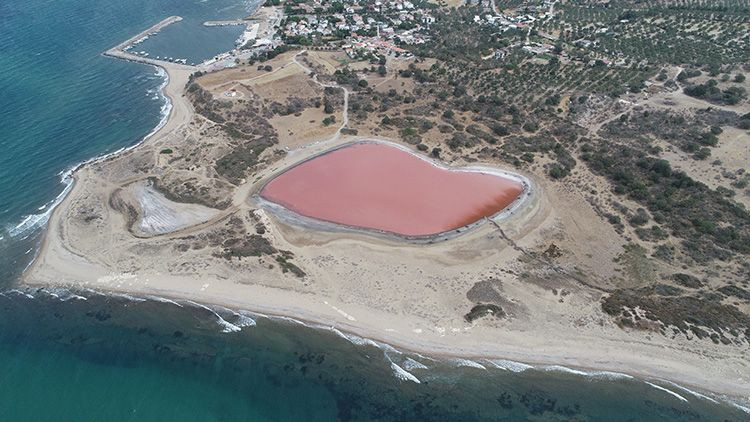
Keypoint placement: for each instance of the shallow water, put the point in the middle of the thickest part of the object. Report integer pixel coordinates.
(382, 187)
(116, 358)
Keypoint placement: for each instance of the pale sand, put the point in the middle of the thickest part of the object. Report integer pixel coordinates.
(410, 296)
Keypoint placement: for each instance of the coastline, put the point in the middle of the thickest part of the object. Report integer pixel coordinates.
(640, 360)
(170, 90)
(589, 361)
(406, 367)
(633, 356)
(655, 362)
(67, 176)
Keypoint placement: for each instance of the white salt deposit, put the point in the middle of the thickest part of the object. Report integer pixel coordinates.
(159, 215)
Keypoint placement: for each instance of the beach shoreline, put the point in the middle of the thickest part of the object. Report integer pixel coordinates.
(655, 362)
(701, 366)
(174, 113)
(585, 358)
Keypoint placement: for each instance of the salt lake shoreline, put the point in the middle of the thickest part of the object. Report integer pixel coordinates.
(599, 355)
(300, 220)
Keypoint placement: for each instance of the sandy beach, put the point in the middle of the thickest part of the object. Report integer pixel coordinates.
(412, 296)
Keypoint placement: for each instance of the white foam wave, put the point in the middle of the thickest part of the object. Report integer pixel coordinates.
(403, 374)
(668, 391)
(609, 375)
(286, 319)
(257, 315)
(739, 406)
(198, 305)
(424, 357)
(93, 292)
(565, 369)
(361, 341)
(689, 391)
(226, 326)
(245, 320)
(468, 363)
(20, 293)
(163, 300)
(30, 223)
(509, 365)
(63, 294)
(411, 364)
(387, 348)
(246, 317)
(127, 297)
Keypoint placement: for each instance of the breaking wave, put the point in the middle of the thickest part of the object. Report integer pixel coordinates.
(694, 393)
(63, 294)
(668, 391)
(245, 320)
(745, 409)
(411, 364)
(509, 365)
(468, 363)
(163, 300)
(403, 374)
(226, 326)
(361, 341)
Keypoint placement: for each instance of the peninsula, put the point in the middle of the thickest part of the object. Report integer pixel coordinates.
(558, 245)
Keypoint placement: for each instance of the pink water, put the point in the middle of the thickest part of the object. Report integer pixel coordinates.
(382, 187)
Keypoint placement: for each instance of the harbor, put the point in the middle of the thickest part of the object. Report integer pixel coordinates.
(122, 50)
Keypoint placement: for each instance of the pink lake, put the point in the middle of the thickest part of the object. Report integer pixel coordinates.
(382, 187)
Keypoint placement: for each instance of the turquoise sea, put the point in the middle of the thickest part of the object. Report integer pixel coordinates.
(83, 356)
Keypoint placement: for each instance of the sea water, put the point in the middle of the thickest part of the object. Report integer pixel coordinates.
(62, 102)
(86, 356)
(83, 356)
